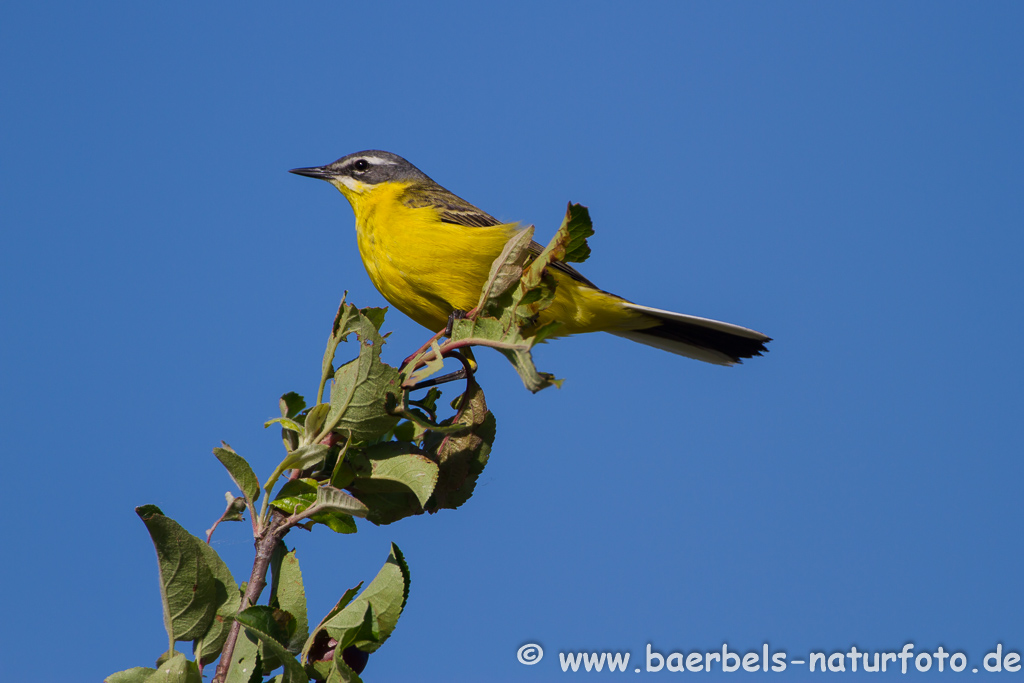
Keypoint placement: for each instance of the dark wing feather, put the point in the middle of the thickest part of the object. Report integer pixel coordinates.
(473, 218)
(452, 209)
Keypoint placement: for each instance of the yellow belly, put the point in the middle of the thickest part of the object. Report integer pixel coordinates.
(424, 267)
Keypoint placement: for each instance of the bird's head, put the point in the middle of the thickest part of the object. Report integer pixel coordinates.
(359, 173)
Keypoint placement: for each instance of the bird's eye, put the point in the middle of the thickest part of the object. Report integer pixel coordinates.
(361, 165)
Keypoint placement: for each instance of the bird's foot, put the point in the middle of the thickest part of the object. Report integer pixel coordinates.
(452, 317)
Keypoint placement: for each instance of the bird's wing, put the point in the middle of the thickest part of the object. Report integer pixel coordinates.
(450, 208)
(458, 211)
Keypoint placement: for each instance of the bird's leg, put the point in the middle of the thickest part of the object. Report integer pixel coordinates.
(452, 317)
(446, 332)
(466, 371)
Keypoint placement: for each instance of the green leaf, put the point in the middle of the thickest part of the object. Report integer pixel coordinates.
(536, 288)
(337, 522)
(335, 509)
(461, 456)
(339, 330)
(411, 469)
(261, 625)
(276, 622)
(367, 631)
(421, 423)
(343, 473)
(229, 599)
(399, 483)
(569, 244)
(506, 270)
(536, 291)
(374, 315)
(347, 320)
(175, 669)
(286, 423)
(435, 363)
(239, 471)
(236, 506)
(387, 593)
(336, 500)
(298, 495)
(407, 430)
(315, 419)
(364, 387)
(305, 457)
(246, 663)
(291, 404)
(506, 336)
(359, 398)
(188, 589)
(533, 379)
(288, 593)
(579, 227)
(544, 332)
(429, 400)
(295, 496)
(319, 636)
(136, 674)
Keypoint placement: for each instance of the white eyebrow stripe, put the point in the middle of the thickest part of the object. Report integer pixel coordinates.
(379, 161)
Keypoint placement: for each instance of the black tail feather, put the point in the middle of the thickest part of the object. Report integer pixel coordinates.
(708, 340)
(736, 347)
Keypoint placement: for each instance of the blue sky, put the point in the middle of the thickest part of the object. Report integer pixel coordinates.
(845, 177)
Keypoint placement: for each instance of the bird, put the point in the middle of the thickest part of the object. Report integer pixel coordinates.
(429, 253)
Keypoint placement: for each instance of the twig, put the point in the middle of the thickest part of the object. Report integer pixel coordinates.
(231, 509)
(416, 361)
(268, 539)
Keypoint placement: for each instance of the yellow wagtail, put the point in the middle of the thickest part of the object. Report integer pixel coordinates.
(429, 253)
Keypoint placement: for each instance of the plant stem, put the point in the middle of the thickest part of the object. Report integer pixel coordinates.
(268, 539)
(419, 360)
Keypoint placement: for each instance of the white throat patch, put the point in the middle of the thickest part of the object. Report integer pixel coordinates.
(354, 185)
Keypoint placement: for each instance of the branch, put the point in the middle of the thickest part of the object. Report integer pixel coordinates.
(268, 539)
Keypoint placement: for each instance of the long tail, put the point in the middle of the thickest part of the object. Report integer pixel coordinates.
(700, 338)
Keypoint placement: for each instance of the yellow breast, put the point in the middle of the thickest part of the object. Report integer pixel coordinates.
(424, 267)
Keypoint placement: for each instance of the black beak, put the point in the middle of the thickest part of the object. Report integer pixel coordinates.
(314, 172)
